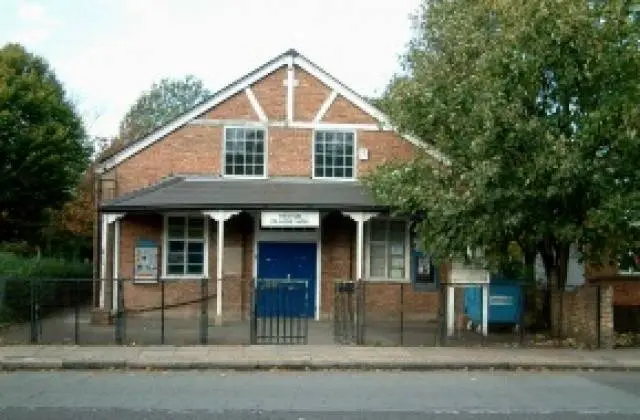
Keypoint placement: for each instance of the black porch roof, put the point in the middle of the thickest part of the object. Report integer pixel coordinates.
(213, 193)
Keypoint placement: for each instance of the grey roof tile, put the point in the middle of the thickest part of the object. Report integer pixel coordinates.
(202, 192)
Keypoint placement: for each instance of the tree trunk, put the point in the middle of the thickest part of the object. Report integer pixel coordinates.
(555, 257)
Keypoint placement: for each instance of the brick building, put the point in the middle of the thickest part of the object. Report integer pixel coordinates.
(259, 181)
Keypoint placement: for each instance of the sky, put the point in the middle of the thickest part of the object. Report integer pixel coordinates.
(107, 52)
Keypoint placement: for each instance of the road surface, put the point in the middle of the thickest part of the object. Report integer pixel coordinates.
(318, 395)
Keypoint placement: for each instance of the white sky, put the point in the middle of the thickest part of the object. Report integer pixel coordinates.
(106, 52)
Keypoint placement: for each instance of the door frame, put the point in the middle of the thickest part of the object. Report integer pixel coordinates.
(284, 235)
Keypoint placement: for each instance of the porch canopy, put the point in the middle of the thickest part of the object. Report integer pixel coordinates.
(191, 192)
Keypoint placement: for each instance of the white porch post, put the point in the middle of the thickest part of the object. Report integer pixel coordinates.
(359, 217)
(107, 219)
(485, 309)
(451, 310)
(220, 216)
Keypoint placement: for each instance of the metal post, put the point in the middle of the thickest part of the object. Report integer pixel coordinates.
(34, 312)
(162, 311)
(523, 302)
(253, 322)
(598, 315)
(76, 312)
(204, 311)
(119, 321)
(402, 314)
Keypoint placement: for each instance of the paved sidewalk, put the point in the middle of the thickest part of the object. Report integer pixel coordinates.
(311, 357)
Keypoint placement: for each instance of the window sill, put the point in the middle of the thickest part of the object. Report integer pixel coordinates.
(328, 178)
(245, 176)
(386, 280)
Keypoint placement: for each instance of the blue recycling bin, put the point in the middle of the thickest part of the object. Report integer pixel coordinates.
(505, 303)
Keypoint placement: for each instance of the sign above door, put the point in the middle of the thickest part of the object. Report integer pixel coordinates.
(290, 219)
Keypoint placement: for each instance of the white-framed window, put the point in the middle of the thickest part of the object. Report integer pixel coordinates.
(388, 249)
(334, 154)
(185, 245)
(630, 263)
(244, 151)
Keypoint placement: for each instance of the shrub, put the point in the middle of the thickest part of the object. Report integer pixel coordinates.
(47, 276)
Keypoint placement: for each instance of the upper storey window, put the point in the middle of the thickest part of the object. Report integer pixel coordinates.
(333, 155)
(244, 151)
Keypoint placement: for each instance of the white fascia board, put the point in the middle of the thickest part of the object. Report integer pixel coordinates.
(221, 96)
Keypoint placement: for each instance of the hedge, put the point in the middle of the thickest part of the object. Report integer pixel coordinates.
(48, 277)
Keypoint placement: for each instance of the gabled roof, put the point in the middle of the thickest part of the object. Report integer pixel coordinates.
(290, 57)
(192, 192)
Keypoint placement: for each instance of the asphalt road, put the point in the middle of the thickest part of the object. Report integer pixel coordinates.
(309, 396)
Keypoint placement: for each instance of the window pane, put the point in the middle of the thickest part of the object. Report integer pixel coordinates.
(348, 173)
(176, 227)
(196, 258)
(176, 246)
(175, 269)
(230, 133)
(397, 231)
(259, 170)
(196, 227)
(378, 230)
(259, 159)
(377, 263)
(260, 134)
(249, 170)
(175, 257)
(194, 269)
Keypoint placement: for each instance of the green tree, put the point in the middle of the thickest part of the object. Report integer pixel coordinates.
(43, 151)
(536, 105)
(163, 102)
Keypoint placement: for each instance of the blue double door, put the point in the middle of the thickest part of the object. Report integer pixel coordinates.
(284, 268)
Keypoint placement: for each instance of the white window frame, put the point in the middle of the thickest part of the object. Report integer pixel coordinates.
(165, 247)
(407, 251)
(354, 174)
(223, 169)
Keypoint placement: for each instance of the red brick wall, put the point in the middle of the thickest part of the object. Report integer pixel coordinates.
(190, 149)
(237, 107)
(309, 96)
(271, 93)
(289, 152)
(342, 111)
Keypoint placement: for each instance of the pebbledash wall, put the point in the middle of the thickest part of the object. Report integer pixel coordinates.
(197, 149)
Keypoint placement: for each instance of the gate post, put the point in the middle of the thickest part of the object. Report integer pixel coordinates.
(119, 321)
(204, 311)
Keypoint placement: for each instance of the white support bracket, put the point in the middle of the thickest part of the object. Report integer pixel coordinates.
(257, 108)
(325, 106)
(360, 218)
(107, 219)
(220, 216)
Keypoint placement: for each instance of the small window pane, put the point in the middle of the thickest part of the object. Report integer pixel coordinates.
(194, 269)
(176, 227)
(175, 269)
(378, 230)
(377, 264)
(260, 134)
(196, 258)
(176, 258)
(176, 246)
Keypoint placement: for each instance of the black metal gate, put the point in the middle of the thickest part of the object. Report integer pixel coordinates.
(348, 316)
(279, 312)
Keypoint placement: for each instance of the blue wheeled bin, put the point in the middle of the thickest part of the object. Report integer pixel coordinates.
(505, 302)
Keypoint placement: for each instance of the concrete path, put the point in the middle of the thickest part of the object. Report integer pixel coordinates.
(311, 357)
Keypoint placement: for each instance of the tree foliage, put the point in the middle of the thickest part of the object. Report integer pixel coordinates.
(163, 102)
(536, 104)
(43, 151)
